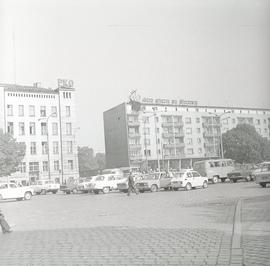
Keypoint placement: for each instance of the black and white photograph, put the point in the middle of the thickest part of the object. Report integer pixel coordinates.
(135, 132)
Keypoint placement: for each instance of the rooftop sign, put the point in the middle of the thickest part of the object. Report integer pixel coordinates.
(169, 102)
(65, 83)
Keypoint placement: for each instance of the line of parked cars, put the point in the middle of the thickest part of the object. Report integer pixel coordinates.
(116, 179)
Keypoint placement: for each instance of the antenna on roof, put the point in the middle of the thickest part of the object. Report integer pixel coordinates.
(135, 101)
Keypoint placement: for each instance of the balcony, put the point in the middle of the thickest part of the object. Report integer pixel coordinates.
(133, 123)
(167, 135)
(134, 135)
(135, 146)
(178, 124)
(173, 156)
(205, 124)
(179, 135)
(135, 157)
(173, 145)
(166, 124)
(211, 135)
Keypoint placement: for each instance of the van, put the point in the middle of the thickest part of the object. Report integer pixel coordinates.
(215, 169)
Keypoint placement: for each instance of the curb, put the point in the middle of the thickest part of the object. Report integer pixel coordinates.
(236, 247)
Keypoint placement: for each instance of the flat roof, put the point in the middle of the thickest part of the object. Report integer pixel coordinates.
(31, 89)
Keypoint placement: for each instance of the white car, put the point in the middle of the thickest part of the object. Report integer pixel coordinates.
(105, 183)
(188, 179)
(45, 186)
(13, 191)
(85, 186)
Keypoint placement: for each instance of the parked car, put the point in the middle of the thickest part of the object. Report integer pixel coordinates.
(188, 179)
(45, 186)
(262, 174)
(154, 181)
(71, 186)
(85, 184)
(241, 172)
(214, 169)
(105, 183)
(123, 185)
(13, 191)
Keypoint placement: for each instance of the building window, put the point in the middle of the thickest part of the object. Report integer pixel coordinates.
(56, 165)
(146, 131)
(10, 110)
(68, 129)
(68, 111)
(54, 111)
(31, 110)
(21, 129)
(55, 128)
(44, 146)
(33, 167)
(43, 111)
(147, 152)
(32, 128)
(70, 164)
(43, 128)
(69, 147)
(200, 150)
(21, 110)
(199, 140)
(55, 147)
(156, 119)
(198, 120)
(45, 166)
(10, 128)
(198, 130)
(188, 120)
(258, 121)
(22, 167)
(189, 151)
(33, 148)
(188, 130)
(189, 141)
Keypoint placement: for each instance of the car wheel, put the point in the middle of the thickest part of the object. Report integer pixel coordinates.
(215, 179)
(54, 192)
(234, 180)
(67, 192)
(154, 188)
(27, 195)
(43, 192)
(205, 184)
(263, 184)
(248, 178)
(188, 186)
(96, 191)
(106, 190)
(223, 180)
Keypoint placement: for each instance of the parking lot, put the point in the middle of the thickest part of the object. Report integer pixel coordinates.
(225, 224)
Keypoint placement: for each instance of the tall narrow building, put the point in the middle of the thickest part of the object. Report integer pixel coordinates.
(45, 120)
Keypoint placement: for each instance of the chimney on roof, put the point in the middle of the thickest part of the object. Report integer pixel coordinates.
(37, 84)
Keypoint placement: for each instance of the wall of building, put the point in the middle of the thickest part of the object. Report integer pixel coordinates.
(115, 132)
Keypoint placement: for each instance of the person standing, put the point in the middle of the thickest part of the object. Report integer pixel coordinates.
(131, 184)
(4, 224)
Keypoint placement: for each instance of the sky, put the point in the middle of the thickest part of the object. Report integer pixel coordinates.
(213, 51)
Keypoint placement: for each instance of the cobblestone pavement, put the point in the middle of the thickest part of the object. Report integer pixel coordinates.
(164, 228)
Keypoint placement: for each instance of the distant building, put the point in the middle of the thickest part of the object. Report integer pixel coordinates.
(172, 134)
(44, 119)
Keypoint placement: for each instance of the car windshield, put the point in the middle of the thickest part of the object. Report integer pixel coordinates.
(100, 178)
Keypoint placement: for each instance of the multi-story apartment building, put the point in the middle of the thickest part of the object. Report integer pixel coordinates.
(172, 134)
(43, 119)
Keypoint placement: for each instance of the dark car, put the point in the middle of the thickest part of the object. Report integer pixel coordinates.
(242, 172)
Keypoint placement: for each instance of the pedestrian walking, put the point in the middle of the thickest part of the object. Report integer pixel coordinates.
(131, 184)
(4, 224)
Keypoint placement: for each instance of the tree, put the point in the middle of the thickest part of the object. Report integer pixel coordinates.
(101, 160)
(87, 161)
(11, 154)
(244, 145)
